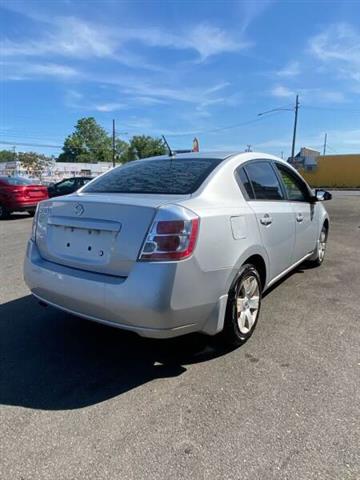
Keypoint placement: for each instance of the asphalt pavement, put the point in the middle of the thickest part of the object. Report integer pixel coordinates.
(80, 400)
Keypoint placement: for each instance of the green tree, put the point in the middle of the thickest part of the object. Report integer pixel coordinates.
(34, 163)
(7, 156)
(89, 143)
(142, 146)
(122, 150)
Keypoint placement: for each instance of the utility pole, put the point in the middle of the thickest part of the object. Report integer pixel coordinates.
(282, 155)
(295, 125)
(325, 141)
(248, 148)
(113, 143)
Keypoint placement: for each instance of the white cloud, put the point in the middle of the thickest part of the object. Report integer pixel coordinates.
(129, 92)
(208, 40)
(338, 47)
(339, 140)
(109, 107)
(73, 37)
(67, 37)
(275, 143)
(309, 94)
(23, 71)
(347, 138)
(163, 92)
(282, 92)
(292, 69)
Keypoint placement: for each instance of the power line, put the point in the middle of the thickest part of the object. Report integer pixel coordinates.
(331, 148)
(21, 144)
(221, 129)
(30, 137)
(335, 109)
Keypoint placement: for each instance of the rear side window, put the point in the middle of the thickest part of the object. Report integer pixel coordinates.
(244, 183)
(162, 176)
(264, 181)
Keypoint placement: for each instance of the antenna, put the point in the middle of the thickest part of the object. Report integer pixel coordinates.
(171, 153)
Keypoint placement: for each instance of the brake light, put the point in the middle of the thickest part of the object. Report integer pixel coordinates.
(171, 239)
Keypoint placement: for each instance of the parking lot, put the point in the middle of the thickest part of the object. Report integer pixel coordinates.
(83, 401)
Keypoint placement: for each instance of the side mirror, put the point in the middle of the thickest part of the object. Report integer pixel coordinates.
(322, 195)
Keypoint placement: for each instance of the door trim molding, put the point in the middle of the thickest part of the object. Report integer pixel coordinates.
(282, 274)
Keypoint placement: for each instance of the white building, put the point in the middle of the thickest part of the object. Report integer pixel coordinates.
(58, 170)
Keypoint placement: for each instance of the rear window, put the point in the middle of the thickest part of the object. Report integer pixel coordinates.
(17, 181)
(163, 176)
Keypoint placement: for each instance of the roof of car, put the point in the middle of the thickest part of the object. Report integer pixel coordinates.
(72, 178)
(219, 155)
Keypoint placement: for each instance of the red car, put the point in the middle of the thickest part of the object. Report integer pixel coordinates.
(19, 194)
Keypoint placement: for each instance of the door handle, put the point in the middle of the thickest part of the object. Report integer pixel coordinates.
(266, 219)
(299, 217)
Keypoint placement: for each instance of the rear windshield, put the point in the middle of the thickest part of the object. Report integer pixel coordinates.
(17, 181)
(163, 176)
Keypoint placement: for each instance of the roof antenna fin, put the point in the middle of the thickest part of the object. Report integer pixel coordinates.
(171, 153)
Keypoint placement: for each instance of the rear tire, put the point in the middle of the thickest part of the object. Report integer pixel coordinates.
(243, 307)
(4, 213)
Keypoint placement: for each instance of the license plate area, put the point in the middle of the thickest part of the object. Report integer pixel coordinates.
(85, 245)
(35, 193)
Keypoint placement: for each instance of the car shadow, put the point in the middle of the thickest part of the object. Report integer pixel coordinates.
(15, 216)
(54, 361)
(300, 269)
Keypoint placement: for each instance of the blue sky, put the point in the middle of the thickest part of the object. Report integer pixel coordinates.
(182, 68)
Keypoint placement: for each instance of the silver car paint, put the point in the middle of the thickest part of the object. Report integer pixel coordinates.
(163, 299)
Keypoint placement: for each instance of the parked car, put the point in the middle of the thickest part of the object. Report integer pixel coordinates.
(67, 185)
(19, 194)
(170, 245)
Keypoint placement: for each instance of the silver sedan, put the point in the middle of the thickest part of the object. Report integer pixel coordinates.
(175, 244)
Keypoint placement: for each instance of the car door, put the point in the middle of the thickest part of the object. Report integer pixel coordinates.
(298, 196)
(274, 215)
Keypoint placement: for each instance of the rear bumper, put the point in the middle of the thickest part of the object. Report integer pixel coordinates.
(21, 206)
(154, 300)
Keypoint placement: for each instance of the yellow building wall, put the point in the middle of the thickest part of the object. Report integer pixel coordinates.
(335, 171)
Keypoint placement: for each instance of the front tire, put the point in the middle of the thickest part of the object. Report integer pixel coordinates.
(243, 307)
(319, 254)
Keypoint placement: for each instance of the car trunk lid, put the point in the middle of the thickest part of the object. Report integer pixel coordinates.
(97, 232)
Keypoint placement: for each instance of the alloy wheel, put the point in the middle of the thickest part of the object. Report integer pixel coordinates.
(322, 244)
(247, 303)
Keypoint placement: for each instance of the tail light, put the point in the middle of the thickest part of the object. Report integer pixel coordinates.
(34, 224)
(40, 219)
(172, 235)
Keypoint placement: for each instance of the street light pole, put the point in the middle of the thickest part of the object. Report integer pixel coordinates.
(113, 142)
(325, 142)
(295, 125)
